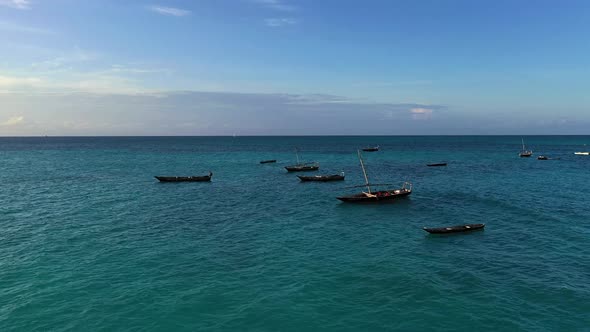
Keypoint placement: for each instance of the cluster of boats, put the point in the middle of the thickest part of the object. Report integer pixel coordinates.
(368, 194)
(524, 153)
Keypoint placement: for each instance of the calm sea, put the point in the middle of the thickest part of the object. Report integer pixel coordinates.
(89, 240)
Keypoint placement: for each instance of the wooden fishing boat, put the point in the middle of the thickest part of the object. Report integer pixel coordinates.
(524, 153)
(378, 196)
(302, 167)
(268, 161)
(371, 196)
(436, 165)
(542, 158)
(371, 149)
(455, 229)
(204, 178)
(322, 178)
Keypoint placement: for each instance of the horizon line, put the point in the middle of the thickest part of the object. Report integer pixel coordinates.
(235, 136)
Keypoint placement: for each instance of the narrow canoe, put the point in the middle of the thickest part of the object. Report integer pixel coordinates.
(268, 161)
(434, 165)
(204, 178)
(321, 178)
(455, 229)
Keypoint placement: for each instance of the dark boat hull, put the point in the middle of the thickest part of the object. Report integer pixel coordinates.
(268, 161)
(378, 196)
(321, 178)
(455, 229)
(542, 158)
(436, 165)
(525, 154)
(370, 149)
(302, 168)
(205, 178)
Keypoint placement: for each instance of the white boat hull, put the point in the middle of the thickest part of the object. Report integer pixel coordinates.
(582, 153)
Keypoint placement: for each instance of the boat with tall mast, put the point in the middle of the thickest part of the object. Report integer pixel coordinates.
(524, 153)
(302, 167)
(376, 196)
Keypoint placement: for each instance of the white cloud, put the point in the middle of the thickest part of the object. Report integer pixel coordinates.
(17, 4)
(91, 82)
(137, 70)
(101, 84)
(8, 82)
(170, 11)
(13, 121)
(15, 27)
(421, 113)
(276, 5)
(279, 22)
(65, 59)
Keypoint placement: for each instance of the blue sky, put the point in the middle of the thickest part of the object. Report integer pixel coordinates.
(254, 67)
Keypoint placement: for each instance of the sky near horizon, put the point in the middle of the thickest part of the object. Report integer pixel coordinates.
(294, 67)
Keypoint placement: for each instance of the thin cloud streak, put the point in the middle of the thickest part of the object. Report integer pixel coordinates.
(421, 113)
(169, 11)
(16, 4)
(15, 27)
(65, 59)
(276, 5)
(13, 121)
(280, 21)
(8, 82)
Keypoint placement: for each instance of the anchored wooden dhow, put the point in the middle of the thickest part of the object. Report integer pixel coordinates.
(524, 153)
(376, 196)
(302, 167)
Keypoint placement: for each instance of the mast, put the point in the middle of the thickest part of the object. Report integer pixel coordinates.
(364, 171)
(297, 155)
(523, 144)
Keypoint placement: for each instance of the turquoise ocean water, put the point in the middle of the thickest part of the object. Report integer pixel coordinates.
(89, 240)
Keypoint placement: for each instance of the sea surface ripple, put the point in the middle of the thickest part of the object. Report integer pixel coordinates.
(91, 241)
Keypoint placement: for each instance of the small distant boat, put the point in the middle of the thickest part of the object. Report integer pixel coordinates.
(302, 167)
(582, 153)
(542, 158)
(435, 165)
(322, 178)
(524, 153)
(204, 178)
(375, 196)
(268, 161)
(371, 149)
(455, 229)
